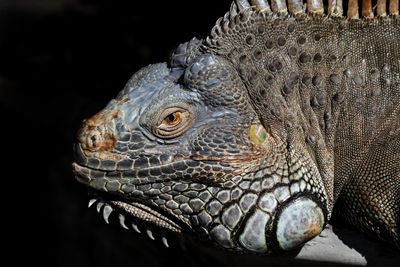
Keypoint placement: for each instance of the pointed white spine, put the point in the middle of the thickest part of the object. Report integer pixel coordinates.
(91, 202)
(106, 212)
(122, 221)
(150, 234)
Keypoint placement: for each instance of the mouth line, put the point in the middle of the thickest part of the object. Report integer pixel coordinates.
(83, 169)
(197, 158)
(76, 166)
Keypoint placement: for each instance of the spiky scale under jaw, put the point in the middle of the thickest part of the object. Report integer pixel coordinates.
(220, 177)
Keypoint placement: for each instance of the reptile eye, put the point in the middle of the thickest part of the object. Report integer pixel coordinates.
(173, 119)
(172, 123)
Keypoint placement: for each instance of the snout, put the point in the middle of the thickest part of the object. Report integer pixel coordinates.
(97, 134)
(97, 141)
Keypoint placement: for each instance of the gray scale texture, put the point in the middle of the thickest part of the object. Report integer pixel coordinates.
(279, 108)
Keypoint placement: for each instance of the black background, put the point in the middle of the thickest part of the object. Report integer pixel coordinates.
(61, 61)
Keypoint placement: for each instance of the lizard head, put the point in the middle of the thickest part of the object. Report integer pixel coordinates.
(182, 149)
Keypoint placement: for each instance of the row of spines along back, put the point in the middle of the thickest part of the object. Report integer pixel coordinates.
(353, 9)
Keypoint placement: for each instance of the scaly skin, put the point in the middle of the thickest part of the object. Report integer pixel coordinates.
(250, 137)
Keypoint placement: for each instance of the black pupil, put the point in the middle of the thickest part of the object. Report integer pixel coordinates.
(171, 117)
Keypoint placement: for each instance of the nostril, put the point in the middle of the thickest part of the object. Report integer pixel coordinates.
(93, 140)
(96, 137)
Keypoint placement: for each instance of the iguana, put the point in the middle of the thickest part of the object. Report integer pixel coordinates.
(250, 137)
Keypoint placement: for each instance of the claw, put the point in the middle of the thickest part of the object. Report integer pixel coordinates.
(91, 202)
(150, 234)
(106, 212)
(122, 221)
(136, 228)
